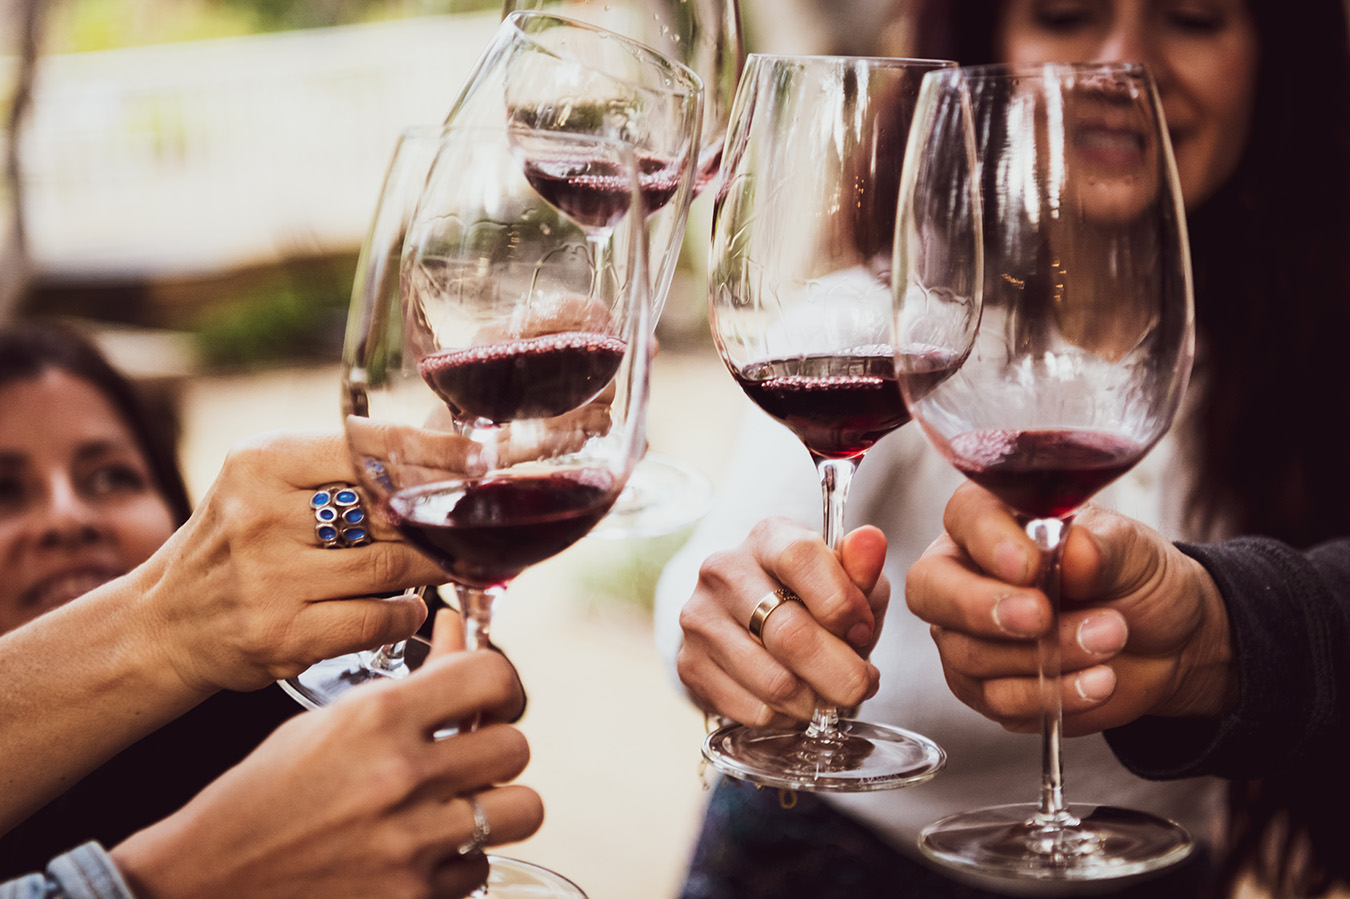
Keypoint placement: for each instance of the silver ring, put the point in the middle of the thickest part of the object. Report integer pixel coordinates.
(765, 608)
(481, 831)
(340, 517)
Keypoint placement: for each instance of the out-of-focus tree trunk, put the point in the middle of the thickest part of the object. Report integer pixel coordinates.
(16, 266)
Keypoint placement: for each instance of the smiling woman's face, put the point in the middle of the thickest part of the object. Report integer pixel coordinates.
(78, 502)
(1203, 54)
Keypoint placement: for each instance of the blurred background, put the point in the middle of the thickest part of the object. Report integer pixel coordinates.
(190, 180)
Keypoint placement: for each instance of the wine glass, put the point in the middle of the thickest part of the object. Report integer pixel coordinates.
(495, 406)
(704, 35)
(1082, 356)
(800, 308)
(544, 74)
(375, 285)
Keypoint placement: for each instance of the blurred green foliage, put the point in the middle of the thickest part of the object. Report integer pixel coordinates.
(289, 315)
(85, 25)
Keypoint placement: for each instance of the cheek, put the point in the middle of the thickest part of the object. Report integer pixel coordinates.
(10, 560)
(142, 528)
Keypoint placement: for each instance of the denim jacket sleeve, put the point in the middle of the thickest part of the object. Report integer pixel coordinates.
(86, 872)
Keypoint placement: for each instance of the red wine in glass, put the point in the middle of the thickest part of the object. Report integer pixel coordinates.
(538, 377)
(838, 405)
(1042, 473)
(485, 533)
(592, 191)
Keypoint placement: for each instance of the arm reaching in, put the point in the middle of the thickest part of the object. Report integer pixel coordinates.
(239, 597)
(817, 649)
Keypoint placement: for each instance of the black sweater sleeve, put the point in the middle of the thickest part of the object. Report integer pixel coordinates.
(1289, 615)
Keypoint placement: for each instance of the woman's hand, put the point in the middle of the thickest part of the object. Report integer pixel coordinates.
(815, 652)
(243, 595)
(358, 799)
(1142, 629)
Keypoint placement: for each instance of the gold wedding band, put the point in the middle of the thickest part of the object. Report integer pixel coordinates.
(765, 608)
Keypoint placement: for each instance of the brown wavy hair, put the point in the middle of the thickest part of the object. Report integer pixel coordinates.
(29, 348)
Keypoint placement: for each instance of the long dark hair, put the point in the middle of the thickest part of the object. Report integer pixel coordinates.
(29, 348)
(1271, 257)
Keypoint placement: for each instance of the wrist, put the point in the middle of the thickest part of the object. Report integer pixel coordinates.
(1207, 680)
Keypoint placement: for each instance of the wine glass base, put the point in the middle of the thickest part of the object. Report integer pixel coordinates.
(663, 495)
(510, 878)
(322, 683)
(1007, 842)
(865, 757)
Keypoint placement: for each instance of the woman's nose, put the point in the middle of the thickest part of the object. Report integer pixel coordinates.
(66, 517)
(1133, 40)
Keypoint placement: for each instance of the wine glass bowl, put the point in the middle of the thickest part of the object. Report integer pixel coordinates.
(801, 312)
(704, 35)
(1083, 348)
(495, 404)
(548, 75)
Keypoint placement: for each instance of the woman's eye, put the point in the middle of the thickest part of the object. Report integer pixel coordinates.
(1196, 21)
(115, 479)
(11, 493)
(1062, 16)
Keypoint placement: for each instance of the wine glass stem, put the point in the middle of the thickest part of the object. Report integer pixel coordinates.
(835, 476)
(1053, 812)
(389, 658)
(475, 609)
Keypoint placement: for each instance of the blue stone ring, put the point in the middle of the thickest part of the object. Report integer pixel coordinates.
(340, 517)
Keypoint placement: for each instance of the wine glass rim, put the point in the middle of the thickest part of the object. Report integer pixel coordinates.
(692, 83)
(441, 131)
(1050, 70)
(837, 59)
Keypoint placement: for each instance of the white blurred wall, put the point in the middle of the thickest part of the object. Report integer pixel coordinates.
(203, 156)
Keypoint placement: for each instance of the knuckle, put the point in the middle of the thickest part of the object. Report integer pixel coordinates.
(799, 552)
(780, 686)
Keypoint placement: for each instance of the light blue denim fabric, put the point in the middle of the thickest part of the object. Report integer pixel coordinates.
(85, 872)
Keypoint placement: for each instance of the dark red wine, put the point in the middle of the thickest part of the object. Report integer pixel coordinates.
(485, 533)
(839, 406)
(594, 193)
(538, 377)
(1044, 474)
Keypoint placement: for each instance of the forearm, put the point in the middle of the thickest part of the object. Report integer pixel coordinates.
(81, 683)
(1289, 614)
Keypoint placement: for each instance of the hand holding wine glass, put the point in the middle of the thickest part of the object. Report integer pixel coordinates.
(1081, 359)
(800, 308)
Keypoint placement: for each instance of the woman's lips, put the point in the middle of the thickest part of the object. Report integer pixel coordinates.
(60, 588)
(1117, 148)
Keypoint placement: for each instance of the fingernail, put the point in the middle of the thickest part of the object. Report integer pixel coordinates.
(1102, 634)
(1018, 615)
(1096, 684)
(860, 634)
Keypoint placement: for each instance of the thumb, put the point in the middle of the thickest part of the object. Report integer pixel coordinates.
(863, 553)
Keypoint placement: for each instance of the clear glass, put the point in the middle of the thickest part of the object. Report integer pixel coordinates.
(1084, 348)
(636, 70)
(375, 284)
(800, 308)
(495, 405)
(704, 35)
